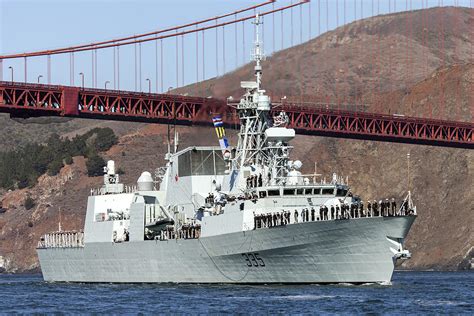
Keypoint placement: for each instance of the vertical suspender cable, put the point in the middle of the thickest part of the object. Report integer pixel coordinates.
(361, 50)
(26, 69)
(281, 31)
(346, 65)
(203, 57)
(118, 67)
(93, 70)
(49, 68)
(136, 66)
(235, 39)
(379, 52)
(223, 50)
(338, 52)
(161, 66)
(327, 15)
(344, 8)
(291, 23)
(374, 61)
(156, 64)
(73, 71)
(217, 51)
(442, 112)
(140, 66)
(471, 5)
(390, 55)
(309, 20)
(96, 73)
(177, 63)
(263, 33)
(354, 95)
(243, 42)
(182, 60)
(115, 67)
(327, 25)
(197, 55)
(319, 17)
(273, 26)
(407, 46)
(301, 24)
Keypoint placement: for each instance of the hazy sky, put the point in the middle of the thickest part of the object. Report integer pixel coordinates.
(29, 25)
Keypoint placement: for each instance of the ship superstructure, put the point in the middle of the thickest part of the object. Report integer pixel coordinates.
(243, 214)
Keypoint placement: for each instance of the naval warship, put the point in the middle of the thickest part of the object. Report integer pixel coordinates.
(223, 214)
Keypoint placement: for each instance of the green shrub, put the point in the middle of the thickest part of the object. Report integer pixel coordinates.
(68, 160)
(22, 167)
(29, 203)
(55, 166)
(101, 139)
(95, 166)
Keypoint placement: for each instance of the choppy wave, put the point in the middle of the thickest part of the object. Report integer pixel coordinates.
(411, 293)
(305, 297)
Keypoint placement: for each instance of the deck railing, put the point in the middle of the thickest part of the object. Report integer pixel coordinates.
(62, 239)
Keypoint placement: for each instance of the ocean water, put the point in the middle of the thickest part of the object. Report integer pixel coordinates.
(409, 292)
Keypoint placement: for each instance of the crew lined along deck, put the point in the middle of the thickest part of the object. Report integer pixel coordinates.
(185, 232)
(337, 212)
(62, 239)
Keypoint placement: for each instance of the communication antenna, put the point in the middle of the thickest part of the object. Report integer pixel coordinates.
(176, 140)
(59, 223)
(169, 140)
(408, 171)
(257, 53)
(315, 171)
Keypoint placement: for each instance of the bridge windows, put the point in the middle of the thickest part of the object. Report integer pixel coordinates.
(273, 192)
(327, 191)
(289, 192)
(341, 192)
(201, 162)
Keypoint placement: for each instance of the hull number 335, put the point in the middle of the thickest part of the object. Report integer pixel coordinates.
(253, 259)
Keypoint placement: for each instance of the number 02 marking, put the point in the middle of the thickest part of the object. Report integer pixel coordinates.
(253, 259)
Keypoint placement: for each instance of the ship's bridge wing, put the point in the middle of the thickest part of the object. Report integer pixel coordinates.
(199, 161)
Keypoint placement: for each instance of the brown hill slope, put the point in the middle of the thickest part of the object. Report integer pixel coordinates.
(17, 132)
(442, 178)
(363, 60)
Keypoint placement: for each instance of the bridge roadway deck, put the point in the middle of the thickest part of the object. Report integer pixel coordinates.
(34, 100)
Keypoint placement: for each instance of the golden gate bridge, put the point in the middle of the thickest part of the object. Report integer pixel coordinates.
(31, 98)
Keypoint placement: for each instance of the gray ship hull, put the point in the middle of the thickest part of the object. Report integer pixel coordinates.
(352, 251)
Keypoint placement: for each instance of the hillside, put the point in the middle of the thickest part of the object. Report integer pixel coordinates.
(365, 60)
(18, 132)
(442, 178)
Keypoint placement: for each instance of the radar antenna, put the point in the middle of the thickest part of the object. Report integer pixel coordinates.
(258, 54)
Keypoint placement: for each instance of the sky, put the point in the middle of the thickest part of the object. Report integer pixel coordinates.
(31, 25)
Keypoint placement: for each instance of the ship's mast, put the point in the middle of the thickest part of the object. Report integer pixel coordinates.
(253, 110)
(258, 54)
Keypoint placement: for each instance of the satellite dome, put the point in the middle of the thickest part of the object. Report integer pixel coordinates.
(145, 182)
(297, 164)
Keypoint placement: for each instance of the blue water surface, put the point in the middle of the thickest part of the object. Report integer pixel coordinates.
(410, 292)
